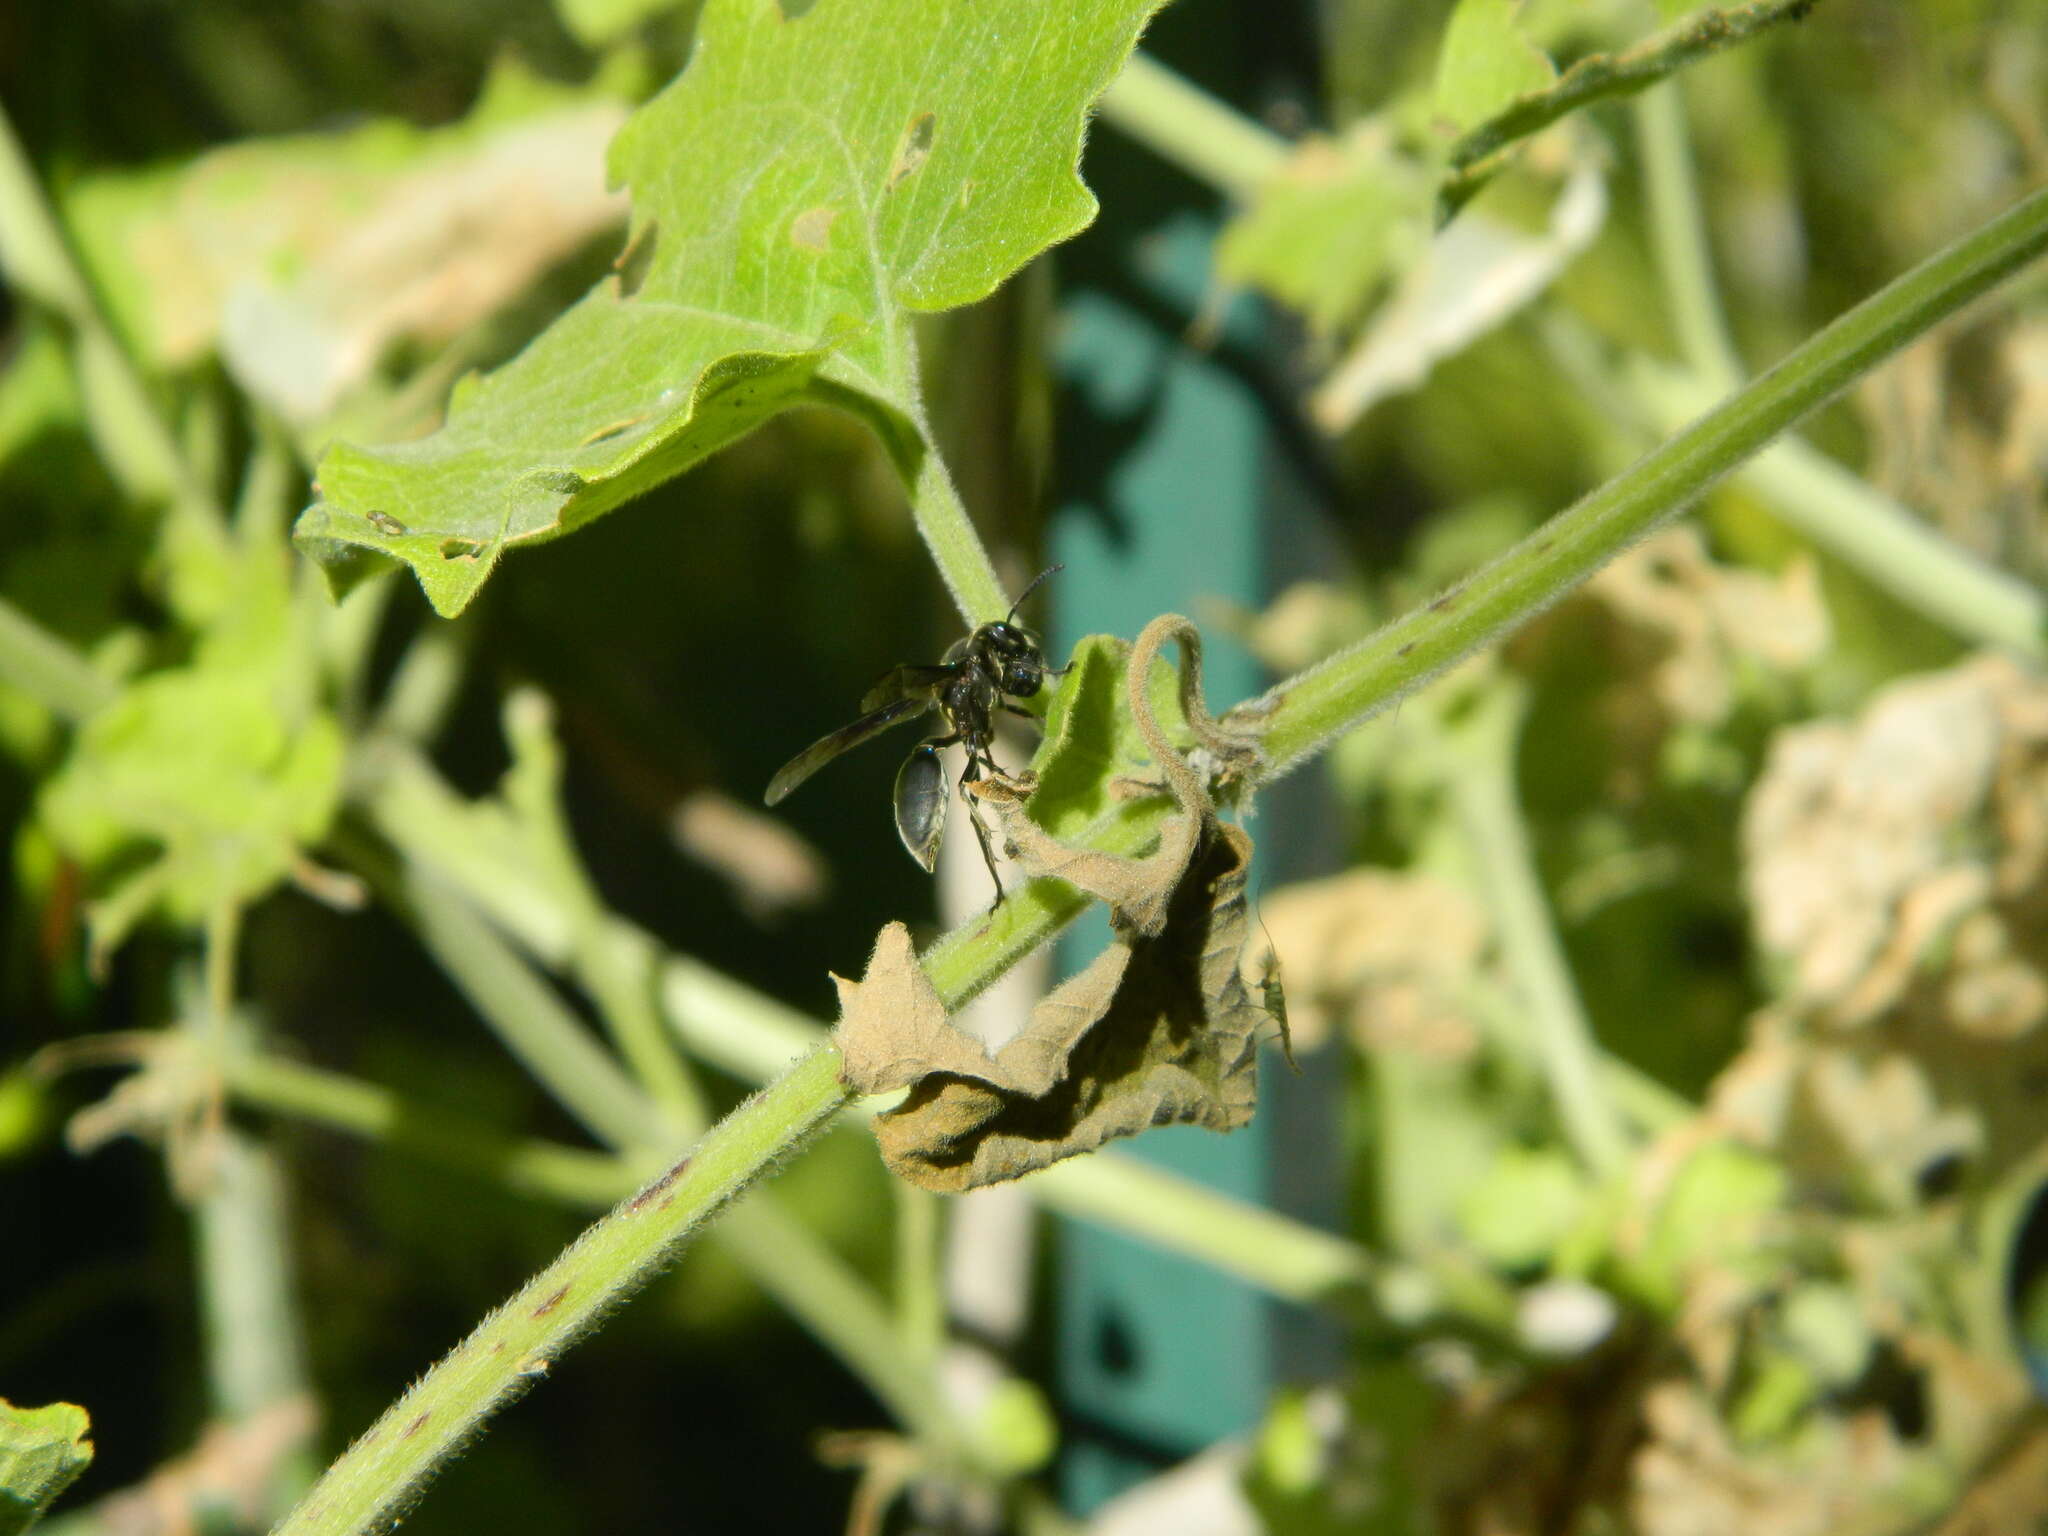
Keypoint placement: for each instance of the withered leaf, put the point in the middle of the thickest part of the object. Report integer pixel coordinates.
(1138, 890)
(1159, 1030)
(892, 1025)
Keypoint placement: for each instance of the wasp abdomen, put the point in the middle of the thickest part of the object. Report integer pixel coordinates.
(921, 798)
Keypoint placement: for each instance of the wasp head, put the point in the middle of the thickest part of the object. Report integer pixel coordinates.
(1012, 655)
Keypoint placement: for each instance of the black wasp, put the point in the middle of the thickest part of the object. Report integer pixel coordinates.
(981, 673)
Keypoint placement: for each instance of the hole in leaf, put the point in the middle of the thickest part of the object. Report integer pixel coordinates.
(915, 148)
(633, 262)
(459, 549)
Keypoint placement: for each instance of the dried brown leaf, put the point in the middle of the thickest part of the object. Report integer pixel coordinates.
(1870, 845)
(892, 1024)
(1694, 1479)
(1137, 890)
(1158, 1030)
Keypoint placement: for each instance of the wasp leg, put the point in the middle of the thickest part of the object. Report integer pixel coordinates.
(970, 774)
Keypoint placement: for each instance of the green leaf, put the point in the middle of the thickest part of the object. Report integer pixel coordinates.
(1089, 738)
(1327, 232)
(42, 1451)
(1486, 62)
(1527, 1204)
(1716, 1213)
(798, 190)
(200, 784)
(200, 764)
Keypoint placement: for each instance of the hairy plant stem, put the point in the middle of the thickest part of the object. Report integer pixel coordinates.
(740, 1031)
(1300, 715)
(1605, 75)
(1841, 512)
(377, 1477)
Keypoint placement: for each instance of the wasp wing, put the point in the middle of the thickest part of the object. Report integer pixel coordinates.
(909, 682)
(845, 739)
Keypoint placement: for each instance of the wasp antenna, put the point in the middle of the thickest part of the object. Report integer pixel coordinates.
(1049, 570)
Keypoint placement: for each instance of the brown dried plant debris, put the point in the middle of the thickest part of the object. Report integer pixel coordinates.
(1901, 860)
(770, 869)
(1708, 622)
(1382, 957)
(1693, 1478)
(1668, 640)
(1958, 426)
(1160, 1029)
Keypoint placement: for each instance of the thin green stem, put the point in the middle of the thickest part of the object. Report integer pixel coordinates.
(1478, 753)
(530, 1018)
(841, 1310)
(423, 688)
(255, 1343)
(1302, 714)
(1280, 1255)
(48, 670)
(1839, 511)
(263, 507)
(1678, 233)
(617, 971)
(920, 1307)
(525, 1013)
(1834, 508)
(1643, 1101)
(1185, 125)
(571, 1175)
(254, 1349)
(223, 935)
(949, 532)
(1868, 531)
(371, 1484)
(1604, 75)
